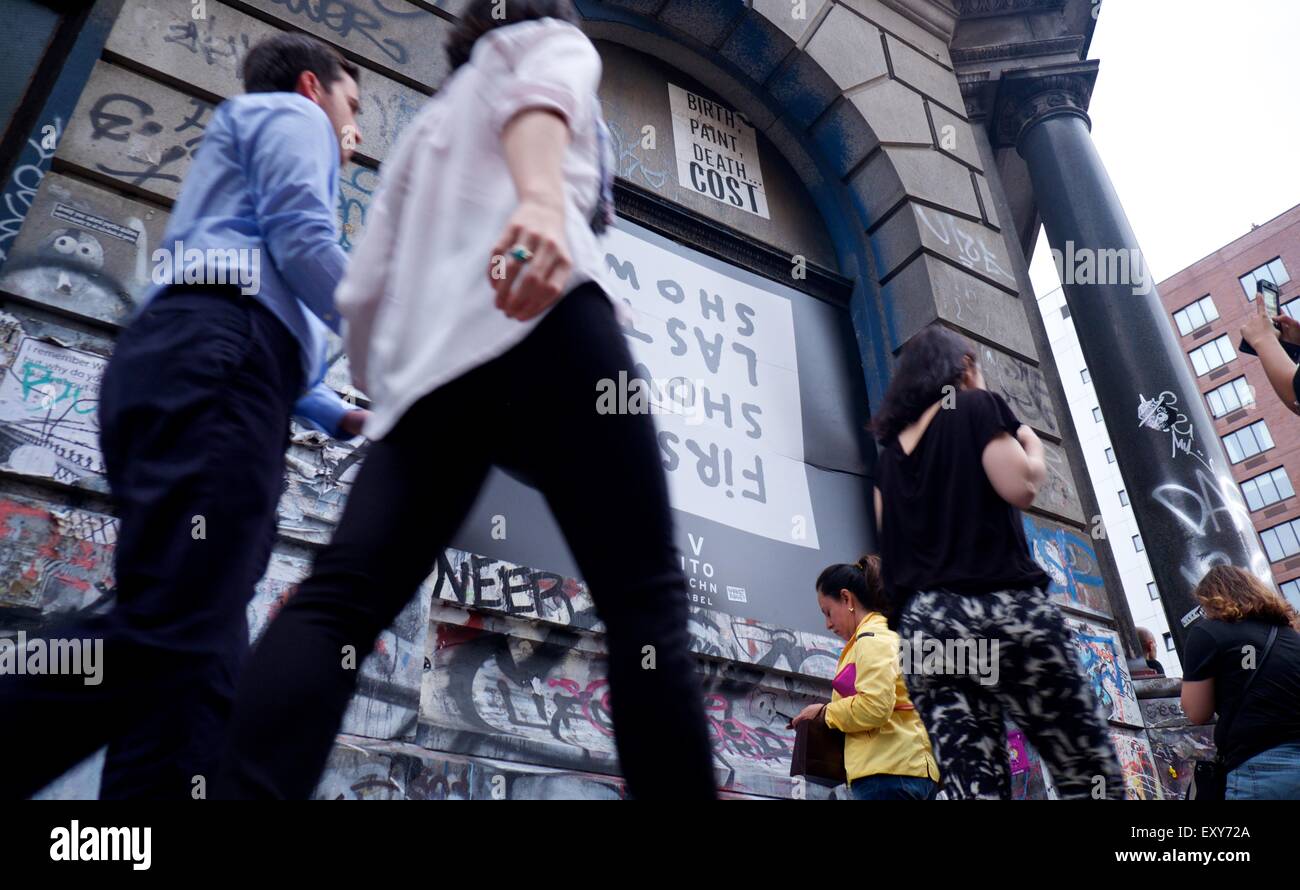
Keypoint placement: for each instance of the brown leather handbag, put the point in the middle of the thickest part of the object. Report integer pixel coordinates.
(818, 753)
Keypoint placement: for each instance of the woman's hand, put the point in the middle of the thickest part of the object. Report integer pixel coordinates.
(1016, 468)
(526, 289)
(1029, 441)
(534, 142)
(1259, 330)
(812, 712)
(1290, 329)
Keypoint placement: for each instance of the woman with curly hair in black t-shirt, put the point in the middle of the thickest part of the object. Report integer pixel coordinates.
(1248, 631)
(956, 467)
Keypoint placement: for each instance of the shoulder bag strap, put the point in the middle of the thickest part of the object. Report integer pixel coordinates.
(1268, 647)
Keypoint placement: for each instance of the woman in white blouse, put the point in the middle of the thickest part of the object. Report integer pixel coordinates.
(478, 325)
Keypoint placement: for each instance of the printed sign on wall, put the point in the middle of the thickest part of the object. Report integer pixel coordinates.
(719, 354)
(717, 152)
(49, 401)
(763, 499)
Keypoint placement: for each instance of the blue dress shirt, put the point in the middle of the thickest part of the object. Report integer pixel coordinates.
(258, 209)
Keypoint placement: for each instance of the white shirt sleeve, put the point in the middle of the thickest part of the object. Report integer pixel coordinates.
(551, 65)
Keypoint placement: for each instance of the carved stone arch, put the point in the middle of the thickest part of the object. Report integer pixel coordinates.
(765, 68)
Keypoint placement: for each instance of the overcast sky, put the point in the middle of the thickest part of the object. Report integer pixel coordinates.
(1195, 117)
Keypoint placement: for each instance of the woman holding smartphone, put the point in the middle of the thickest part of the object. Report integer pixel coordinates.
(1265, 333)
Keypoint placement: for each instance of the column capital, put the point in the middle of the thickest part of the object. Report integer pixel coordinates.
(1028, 95)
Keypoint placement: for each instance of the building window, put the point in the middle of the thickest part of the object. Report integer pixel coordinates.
(1274, 270)
(1215, 354)
(1267, 488)
(1096, 414)
(1291, 590)
(1137, 543)
(1110, 455)
(1152, 590)
(1065, 312)
(1292, 307)
(1123, 498)
(1280, 541)
(1230, 396)
(1247, 441)
(1087, 378)
(1169, 642)
(1197, 315)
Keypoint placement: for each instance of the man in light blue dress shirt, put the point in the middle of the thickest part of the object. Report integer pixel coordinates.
(194, 415)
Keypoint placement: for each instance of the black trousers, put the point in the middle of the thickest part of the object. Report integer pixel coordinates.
(604, 483)
(194, 420)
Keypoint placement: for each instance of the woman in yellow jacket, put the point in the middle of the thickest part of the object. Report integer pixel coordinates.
(886, 750)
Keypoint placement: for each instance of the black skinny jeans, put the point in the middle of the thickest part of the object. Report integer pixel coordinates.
(603, 480)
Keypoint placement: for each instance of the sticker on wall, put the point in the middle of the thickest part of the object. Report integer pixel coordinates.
(1029, 778)
(49, 401)
(1141, 780)
(717, 152)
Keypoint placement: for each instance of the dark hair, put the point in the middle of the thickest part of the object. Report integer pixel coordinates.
(274, 64)
(1230, 594)
(862, 579)
(478, 18)
(933, 359)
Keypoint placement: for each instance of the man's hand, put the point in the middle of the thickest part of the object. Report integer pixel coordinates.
(353, 421)
(1259, 330)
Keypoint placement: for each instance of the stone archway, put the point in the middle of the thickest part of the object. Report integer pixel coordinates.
(863, 104)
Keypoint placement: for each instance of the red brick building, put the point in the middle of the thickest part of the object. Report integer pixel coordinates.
(1208, 302)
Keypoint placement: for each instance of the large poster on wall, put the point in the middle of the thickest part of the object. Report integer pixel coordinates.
(759, 403)
(719, 356)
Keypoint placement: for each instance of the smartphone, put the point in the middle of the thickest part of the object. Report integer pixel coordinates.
(1267, 291)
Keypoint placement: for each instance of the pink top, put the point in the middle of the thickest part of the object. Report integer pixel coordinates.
(419, 306)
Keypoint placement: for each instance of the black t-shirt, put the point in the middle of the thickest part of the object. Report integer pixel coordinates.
(944, 527)
(1271, 715)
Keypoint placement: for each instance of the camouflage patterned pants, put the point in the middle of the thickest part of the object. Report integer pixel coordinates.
(1034, 677)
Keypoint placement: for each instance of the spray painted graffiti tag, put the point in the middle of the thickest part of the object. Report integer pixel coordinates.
(1161, 414)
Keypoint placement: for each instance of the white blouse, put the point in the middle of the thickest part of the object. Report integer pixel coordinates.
(419, 306)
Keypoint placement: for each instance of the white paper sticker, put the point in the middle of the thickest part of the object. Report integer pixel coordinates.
(717, 152)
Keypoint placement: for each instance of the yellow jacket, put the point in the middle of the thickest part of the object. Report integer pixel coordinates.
(883, 732)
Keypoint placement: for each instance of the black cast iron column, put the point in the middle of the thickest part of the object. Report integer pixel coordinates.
(1189, 510)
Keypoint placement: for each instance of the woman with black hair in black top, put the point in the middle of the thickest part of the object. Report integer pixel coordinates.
(955, 468)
